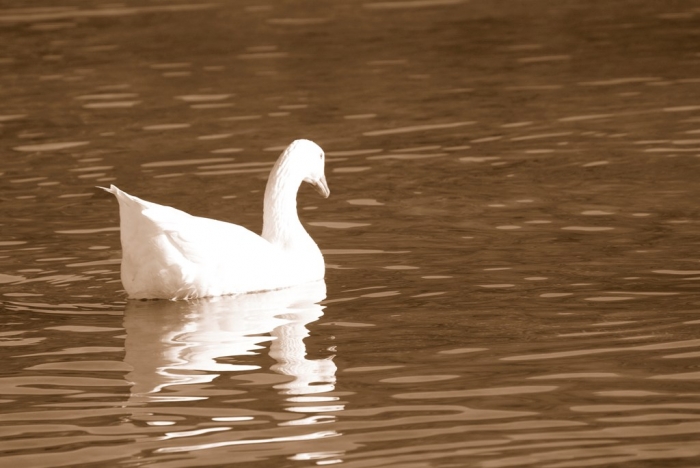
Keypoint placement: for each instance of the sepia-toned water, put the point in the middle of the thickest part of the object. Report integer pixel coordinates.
(512, 238)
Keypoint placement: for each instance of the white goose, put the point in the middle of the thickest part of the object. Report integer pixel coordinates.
(169, 254)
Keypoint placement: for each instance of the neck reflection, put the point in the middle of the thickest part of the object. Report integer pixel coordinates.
(176, 347)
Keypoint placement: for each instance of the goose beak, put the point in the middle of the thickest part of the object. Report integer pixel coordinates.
(321, 186)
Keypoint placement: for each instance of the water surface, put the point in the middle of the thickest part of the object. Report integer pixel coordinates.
(511, 241)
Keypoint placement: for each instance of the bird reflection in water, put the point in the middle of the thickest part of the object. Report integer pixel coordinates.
(173, 346)
(177, 349)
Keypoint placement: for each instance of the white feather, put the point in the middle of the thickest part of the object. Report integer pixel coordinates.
(169, 254)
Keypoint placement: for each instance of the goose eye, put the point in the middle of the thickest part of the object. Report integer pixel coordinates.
(321, 155)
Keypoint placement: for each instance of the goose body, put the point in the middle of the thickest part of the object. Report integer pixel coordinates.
(169, 254)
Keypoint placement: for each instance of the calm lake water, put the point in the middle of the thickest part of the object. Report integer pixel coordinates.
(512, 238)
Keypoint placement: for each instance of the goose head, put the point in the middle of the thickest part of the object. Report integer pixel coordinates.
(310, 159)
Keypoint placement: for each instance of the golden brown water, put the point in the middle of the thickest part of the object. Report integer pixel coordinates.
(512, 238)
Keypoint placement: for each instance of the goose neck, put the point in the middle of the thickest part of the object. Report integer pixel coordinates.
(281, 223)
